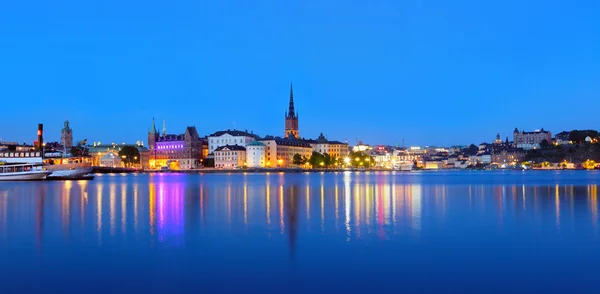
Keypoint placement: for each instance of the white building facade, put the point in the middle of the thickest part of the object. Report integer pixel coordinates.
(230, 157)
(255, 154)
(110, 159)
(229, 137)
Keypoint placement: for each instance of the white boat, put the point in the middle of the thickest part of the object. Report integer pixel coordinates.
(403, 166)
(22, 172)
(72, 173)
(406, 166)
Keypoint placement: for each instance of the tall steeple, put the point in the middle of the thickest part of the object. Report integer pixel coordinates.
(291, 111)
(164, 130)
(291, 118)
(153, 128)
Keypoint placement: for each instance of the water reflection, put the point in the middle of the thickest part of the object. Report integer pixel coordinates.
(177, 209)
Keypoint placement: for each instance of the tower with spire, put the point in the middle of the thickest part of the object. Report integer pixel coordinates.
(152, 135)
(66, 135)
(291, 118)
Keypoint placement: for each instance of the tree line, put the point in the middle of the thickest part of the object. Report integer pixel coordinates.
(325, 160)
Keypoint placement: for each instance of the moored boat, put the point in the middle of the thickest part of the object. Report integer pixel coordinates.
(71, 173)
(22, 172)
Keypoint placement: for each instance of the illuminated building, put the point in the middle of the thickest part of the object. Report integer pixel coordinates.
(229, 137)
(99, 150)
(291, 119)
(172, 151)
(280, 151)
(111, 159)
(531, 140)
(507, 155)
(360, 147)
(335, 149)
(255, 154)
(230, 157)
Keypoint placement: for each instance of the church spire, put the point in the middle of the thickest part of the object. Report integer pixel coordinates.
(291, 111)
(153, 128)
(164, 130)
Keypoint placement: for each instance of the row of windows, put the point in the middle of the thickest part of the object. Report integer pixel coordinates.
(235, 158)
(226, 141)
(228, 153)
(22, 154)
(226, 165)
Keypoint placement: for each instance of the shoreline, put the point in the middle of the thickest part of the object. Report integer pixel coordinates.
(291, 170)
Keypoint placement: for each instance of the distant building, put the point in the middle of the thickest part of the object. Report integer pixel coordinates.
(255, 154)
(66, 136)
(498, 140)
(562, 138)
(435, 164)
(484, 158)
(291, 119)
(335, 149)
(183, 151)
(110, 159)
(531, 140)
(229, 137)
(230, 157)
(99, 150)
(360, 147)
(280, 151)
(507, 155)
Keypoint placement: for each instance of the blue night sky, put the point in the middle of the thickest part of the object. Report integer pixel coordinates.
(432, 72)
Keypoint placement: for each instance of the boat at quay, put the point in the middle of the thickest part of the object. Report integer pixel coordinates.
(22, 171)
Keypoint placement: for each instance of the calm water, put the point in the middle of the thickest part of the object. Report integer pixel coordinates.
(479, 232)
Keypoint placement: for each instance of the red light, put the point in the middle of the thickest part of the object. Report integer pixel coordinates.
(39, 132)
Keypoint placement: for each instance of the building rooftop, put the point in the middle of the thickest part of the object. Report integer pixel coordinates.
(235, 133)
(255, 143)
(231, 147)
(287, 141)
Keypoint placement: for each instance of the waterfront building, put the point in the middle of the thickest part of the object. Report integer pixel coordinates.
(383, 157)
(291, 119)
(66, 136)
(507, 155)
(531, 140)
(183, 151)
(335, 149)
(229, 137)
(255, 154)
(280, 151)
(404, 155)
(98, 150)
(434, 164)
(484, 158)
(230, 157)
(360, 147)
(111, 159)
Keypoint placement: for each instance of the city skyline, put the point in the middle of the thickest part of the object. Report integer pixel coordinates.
(443, 74)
